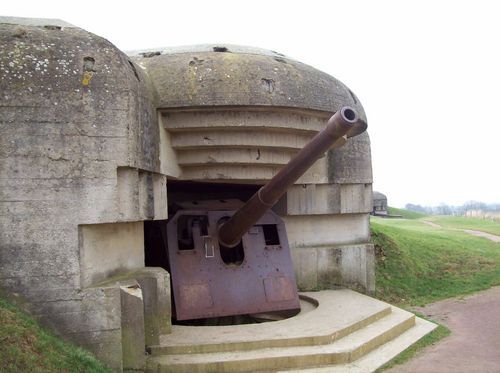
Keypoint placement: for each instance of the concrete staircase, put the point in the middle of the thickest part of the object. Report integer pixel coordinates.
(336, 331)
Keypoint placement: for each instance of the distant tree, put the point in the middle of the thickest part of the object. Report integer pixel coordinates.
(443, 209)
(494, 207)
(474, 205)
(416, 208)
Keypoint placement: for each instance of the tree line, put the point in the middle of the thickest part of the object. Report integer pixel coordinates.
(444, 209)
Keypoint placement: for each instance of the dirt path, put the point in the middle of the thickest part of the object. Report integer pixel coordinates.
(431, 224)
(473, 346)
(489, 236)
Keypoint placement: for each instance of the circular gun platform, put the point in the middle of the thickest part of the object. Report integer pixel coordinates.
(335, 328)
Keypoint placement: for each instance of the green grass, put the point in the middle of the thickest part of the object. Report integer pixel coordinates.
(418, 264)
(460, 222)
(26, 347)
(406, 214)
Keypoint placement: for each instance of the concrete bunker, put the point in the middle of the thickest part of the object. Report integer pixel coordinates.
(99, 149)
(379, 204)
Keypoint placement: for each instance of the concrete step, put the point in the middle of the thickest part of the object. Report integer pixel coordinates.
(377, 357)
(340, 351)
(326, 316)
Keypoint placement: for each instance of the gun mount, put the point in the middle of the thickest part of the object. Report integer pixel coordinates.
(339, 127)
(230, 258)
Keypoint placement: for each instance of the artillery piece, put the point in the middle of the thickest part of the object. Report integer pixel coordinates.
(232, 258)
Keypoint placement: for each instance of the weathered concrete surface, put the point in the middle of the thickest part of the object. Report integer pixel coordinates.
(155, 286)
(344, 328)
(251, 143)
(238, 77)
(91, 318)
(333, 267)
(74, 111)
(324, 199)
(132, 327)
(474, 343)
(331, 250)
(378, 357)
(107, 249)
(352, 163)
(324, 322)
(327, 230)
(128, 313)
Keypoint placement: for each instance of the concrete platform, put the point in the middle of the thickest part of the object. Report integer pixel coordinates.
(336, 329)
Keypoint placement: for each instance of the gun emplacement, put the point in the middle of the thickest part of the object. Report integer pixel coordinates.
(344, 123)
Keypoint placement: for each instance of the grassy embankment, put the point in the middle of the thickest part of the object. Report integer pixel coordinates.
(418, 264)
(406, 214)
(26, 347)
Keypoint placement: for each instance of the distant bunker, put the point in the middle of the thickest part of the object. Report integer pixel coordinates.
(379, 204)
(100, 150)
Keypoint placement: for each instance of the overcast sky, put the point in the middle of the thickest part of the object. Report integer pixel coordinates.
(427, 72)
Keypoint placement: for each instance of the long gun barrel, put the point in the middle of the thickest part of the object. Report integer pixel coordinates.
(344, 123)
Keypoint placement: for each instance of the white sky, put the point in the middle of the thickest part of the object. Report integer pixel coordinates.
(427, 72)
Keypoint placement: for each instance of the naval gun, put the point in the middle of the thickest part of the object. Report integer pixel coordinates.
(232, 258)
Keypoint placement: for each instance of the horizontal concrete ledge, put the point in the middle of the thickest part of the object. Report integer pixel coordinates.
(344, 350)
(345, 327)
(378, 357)
(339, 313)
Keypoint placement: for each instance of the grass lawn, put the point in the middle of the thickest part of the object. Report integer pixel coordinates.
(406, 214)
(26, 347)
(460, 222)
(418, 264)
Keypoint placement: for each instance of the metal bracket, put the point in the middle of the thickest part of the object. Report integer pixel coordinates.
(209, 247)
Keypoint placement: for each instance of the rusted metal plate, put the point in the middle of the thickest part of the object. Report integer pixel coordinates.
(278, 289)
(209, 280)
(195, 296)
